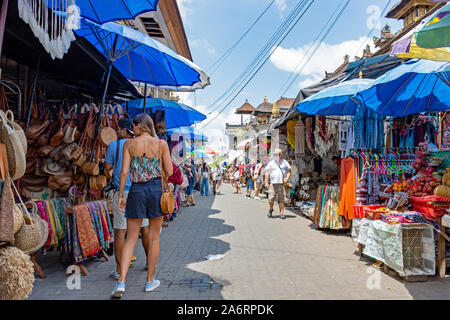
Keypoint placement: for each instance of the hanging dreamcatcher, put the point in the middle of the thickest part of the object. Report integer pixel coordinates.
(52, 28)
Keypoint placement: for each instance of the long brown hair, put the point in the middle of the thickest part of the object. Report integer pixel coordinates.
(146, 123)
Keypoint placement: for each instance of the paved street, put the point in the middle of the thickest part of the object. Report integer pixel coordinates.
(263, 259)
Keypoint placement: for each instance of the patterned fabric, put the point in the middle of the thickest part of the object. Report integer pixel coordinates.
(144, 169)
(86, 232)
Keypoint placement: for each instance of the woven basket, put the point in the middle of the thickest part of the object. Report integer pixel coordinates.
(18, 219)
(34, 232)
(17, 129)
(15, 152)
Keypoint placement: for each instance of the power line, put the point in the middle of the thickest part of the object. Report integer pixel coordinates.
(267, 58)
(317, 45)
(254, 63)
(219, 61)
(281, 92)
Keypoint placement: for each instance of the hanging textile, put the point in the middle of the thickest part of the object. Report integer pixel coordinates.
(323, 136)
(300, 137)
(51, 28)
(326, 210)
(291, 133)
(86, 233)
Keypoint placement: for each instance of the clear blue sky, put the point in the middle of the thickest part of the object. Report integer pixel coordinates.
(212, 26)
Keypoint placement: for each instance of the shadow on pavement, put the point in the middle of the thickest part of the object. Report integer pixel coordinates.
(187, 240)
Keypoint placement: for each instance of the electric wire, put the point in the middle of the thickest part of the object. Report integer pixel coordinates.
(263, 52)
(224, 56)
(282, 92)
(317, 46)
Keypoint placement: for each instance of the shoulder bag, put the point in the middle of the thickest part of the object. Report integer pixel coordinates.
(167, 198)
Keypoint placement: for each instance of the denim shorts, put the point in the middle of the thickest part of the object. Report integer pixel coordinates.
(144, 200)
(190, 189)
(250, 184)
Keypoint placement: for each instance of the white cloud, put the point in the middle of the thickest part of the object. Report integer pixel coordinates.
(328, 57)
(216, 129)
(281, 4)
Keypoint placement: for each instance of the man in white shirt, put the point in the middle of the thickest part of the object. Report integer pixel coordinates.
(279, 172)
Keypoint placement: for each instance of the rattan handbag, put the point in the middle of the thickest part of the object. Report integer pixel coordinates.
(15, 151)
(34, 232)
(167, 199)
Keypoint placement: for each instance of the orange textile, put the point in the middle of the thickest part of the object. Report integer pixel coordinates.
(86, 232)
(347, 196)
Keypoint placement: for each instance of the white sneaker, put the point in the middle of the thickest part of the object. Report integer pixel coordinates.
(257, 198)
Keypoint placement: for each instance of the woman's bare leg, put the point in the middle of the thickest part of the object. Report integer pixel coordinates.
(133, 230)
(153, 245)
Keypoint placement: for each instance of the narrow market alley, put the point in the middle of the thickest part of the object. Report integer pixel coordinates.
(263, 258)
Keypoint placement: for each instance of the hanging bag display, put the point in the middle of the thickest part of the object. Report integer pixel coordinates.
(91, 167)
(17, 129)
(107, 134)
(15, 151)
(57, 138)
(79, 152)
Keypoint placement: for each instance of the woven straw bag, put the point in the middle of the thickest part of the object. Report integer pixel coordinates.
(34, 232)
(17, 129)
(18, 218)
(15, 151)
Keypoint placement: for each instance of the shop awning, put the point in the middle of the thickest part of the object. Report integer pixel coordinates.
(371, 68)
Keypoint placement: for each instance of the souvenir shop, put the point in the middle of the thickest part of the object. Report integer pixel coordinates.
(313, 141)
(401, 194)
(53, 143)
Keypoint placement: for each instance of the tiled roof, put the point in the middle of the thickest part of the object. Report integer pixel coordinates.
(285, 102)
(246, 108)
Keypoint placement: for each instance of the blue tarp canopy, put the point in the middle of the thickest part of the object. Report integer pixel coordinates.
(101, 11)
(413, 87)
(336, 100)
(188, 133)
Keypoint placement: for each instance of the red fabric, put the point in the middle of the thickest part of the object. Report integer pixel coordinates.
(176, 178)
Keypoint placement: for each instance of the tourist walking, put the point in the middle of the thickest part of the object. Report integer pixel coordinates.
(192, 179)
(113, 165)
(217, 178)
(279, 172)
(237, 181)
(146, 159)
(204, 172)
(249, 183)
(231, 175)
(258, 179)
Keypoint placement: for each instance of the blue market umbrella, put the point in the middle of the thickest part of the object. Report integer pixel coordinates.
(413, 87)
(189, 133)
(140, 58)
(336, 100)
(177, 114)
(102, 11)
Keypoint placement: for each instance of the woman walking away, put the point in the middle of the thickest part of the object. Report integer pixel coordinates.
(147, 159)
(237, 181)
(204, 189)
